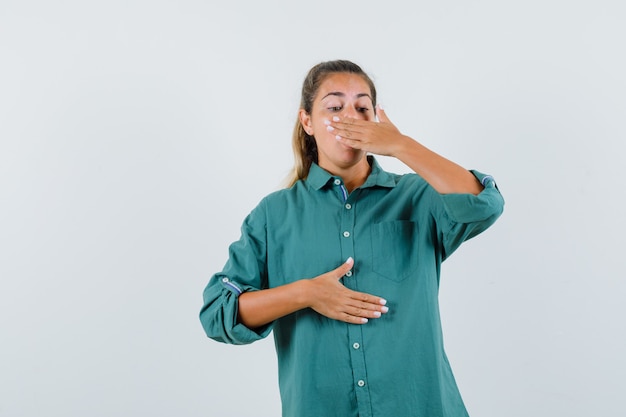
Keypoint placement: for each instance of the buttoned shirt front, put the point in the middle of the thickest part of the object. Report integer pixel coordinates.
(399, 230)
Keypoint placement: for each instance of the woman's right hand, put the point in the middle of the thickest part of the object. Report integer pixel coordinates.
(329, 297)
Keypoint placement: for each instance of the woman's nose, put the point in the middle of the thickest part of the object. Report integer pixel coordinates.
(351, 111)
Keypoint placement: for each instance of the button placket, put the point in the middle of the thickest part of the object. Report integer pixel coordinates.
(355, 332)
(346, 233)
(347, 242)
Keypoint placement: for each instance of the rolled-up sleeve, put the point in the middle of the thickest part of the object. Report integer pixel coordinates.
(245, 270)
(466, 215)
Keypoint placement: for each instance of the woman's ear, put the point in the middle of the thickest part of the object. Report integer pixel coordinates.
(305, 120)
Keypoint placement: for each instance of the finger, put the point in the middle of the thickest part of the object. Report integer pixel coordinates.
(360, 315)
(343, 268)
(349, 318)
(364, 313)
(345, 129)
(365, 300)
(349, 132)
(339, 132)
(371, 310)
(382, 116)
(350, 138)
(346, 122)
(353, 143)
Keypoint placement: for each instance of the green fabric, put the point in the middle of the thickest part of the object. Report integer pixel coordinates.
(399, 230)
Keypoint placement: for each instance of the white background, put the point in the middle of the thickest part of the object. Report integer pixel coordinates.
(136, 135)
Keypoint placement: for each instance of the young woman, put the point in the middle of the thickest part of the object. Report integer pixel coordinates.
(343, 266)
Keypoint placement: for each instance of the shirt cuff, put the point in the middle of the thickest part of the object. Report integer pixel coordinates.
(469, 208)
(237, 332)
(486, 180)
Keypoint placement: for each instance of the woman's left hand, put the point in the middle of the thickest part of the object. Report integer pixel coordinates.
(381, 138)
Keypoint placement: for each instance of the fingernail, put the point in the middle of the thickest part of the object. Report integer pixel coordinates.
(335, 119)
(326, 122)
(382, 301)
(349, 260)
(384, 309)
(377, 313)
(330, 128)
(380, 106)
(364, 320)
(338, 137)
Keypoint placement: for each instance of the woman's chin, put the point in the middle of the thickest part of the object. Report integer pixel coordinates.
(352, 156)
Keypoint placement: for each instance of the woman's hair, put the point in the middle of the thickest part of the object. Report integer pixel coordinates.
(304, 146)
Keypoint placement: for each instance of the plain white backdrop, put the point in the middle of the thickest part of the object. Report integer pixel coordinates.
(136, 135)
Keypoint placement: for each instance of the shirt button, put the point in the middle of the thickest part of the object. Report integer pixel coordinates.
(349, 273)
(348, 206)
(224, 279)
(356, 345)
(361, 383)
(346, 234)
(337, 181)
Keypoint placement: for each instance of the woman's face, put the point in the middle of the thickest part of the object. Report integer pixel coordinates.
(342, 95)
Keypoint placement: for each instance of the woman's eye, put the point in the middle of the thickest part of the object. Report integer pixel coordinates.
(363, 109)
(335, 108)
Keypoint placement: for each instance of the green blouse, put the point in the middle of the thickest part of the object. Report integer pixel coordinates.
(398, 229)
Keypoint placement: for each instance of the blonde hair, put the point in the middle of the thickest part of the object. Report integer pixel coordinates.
(304, 145)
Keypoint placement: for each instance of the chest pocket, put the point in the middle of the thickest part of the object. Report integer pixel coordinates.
(394, 249)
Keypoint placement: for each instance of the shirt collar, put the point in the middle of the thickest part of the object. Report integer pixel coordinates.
(319, 177)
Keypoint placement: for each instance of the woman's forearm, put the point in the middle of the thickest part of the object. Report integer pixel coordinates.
(442, 174)
(258, 308)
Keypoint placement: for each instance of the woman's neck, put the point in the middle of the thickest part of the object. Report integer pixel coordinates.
(353, 176)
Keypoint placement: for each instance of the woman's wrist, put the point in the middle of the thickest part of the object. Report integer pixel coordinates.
(303, 293)
(404, 145)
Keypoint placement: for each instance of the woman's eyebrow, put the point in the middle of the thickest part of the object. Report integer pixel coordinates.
(340, 94)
